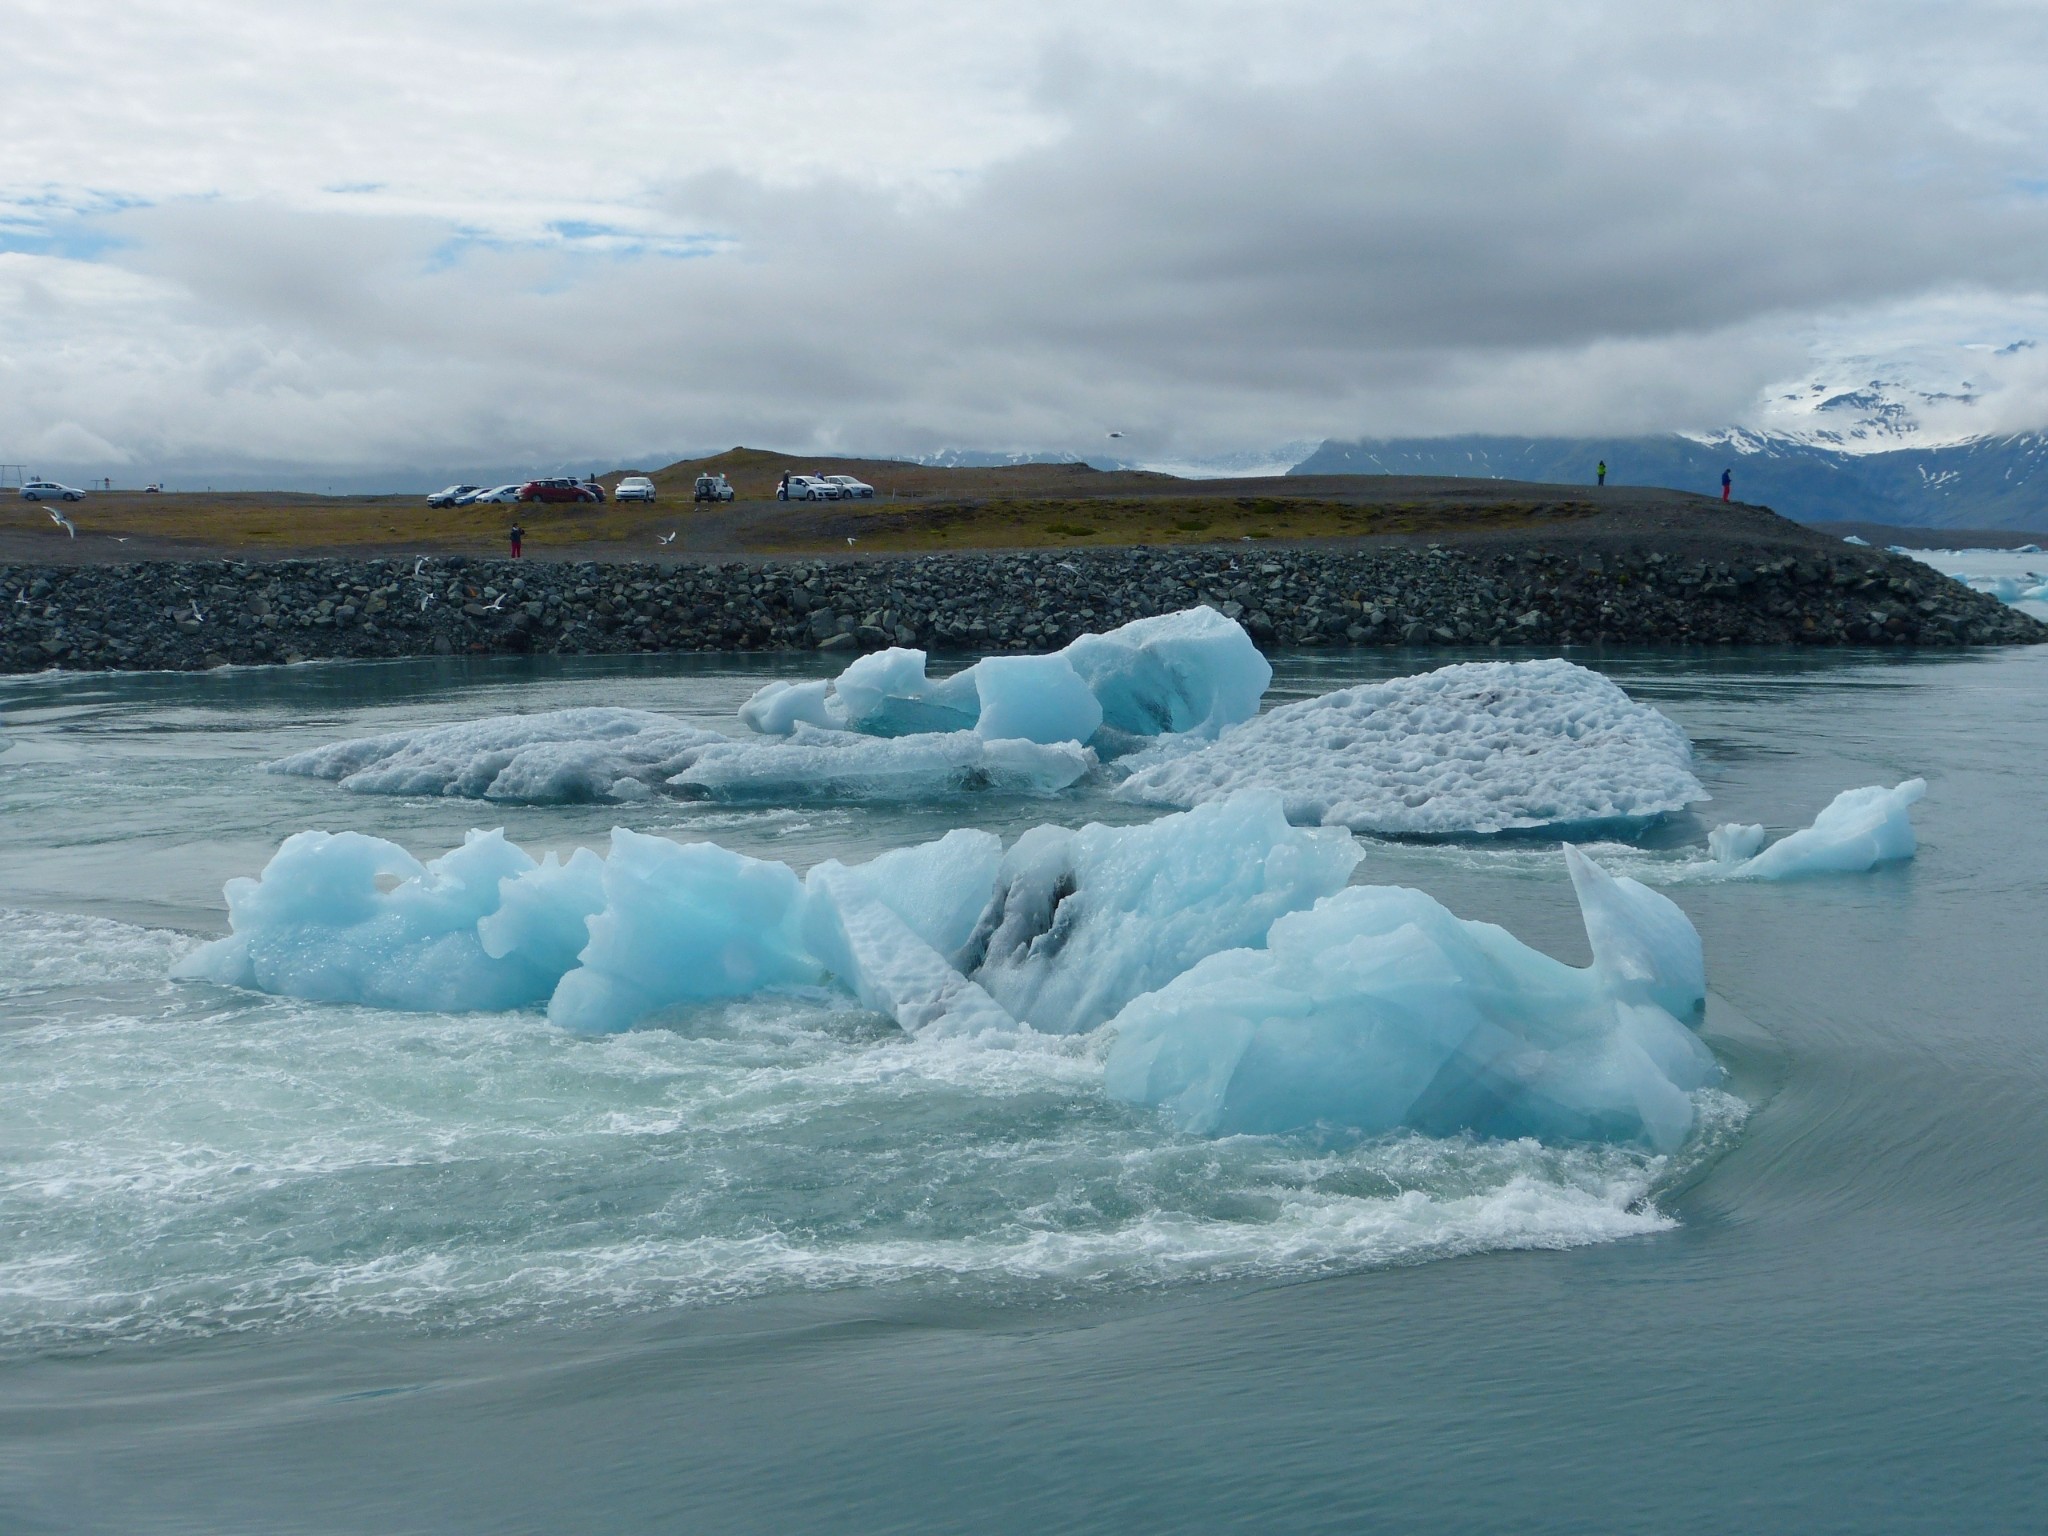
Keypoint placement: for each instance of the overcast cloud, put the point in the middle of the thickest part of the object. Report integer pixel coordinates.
(447, 233)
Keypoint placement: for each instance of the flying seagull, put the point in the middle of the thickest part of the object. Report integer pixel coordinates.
(426, 600)
(63, 522)
(1116, 434)
(419, 567)
(665, 538)
(849, 541)
(495, 604)
(196, 614)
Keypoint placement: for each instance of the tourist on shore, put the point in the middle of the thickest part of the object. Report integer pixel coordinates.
(1601, 471)
(1727, 483)
(518, 540)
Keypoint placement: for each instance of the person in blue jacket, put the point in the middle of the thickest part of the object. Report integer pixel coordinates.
(1727, 483)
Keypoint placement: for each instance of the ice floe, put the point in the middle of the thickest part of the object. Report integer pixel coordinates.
(1859, 830)
(1379, 1009)
(1478, 747)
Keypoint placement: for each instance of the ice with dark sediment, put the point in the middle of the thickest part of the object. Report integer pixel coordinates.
(1478, 747)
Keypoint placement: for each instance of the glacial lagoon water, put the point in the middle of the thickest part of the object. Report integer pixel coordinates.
(271, 1265)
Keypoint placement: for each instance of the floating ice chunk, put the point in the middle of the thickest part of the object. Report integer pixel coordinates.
(1379, 1009)
(1859, 830)
(1476, 747)
(347, 918)
(1082, 922)
(1645, 949)
(887, 929)
(839, 765)
(888, 694)
(1034, 698)
(563, 756)
(779, 708)
(1735, 842)
(683, 923)
(1195, 670)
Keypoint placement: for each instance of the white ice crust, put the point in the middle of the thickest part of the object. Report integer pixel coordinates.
(1479, 747)
(1378, 1009)
(565, 755)
(1859, 830)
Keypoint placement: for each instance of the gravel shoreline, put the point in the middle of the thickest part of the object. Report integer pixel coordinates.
(164, 615)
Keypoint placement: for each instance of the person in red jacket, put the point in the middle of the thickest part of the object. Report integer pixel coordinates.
(518, 540)
(1727, 483)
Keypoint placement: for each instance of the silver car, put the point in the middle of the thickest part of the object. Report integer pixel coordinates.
(50, 490)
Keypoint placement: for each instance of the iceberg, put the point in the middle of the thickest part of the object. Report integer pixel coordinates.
(1378, 1009)
(1859, 830)
(1083, 921)
(1195, 671)
(1479, 747)
(683, 923)
(346, 918)
(821, 764)
(563, 756)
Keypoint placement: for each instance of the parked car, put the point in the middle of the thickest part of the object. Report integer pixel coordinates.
(812, 488)
(851, 489)
(712, 488)
(153, 490)
(49, 490)
(634, 488)
(501, 493)
(557, 489)
(453, 496)
(590, 485)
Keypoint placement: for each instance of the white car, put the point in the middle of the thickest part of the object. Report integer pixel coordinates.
(634, 488)
(501, 493)
(453, 495)
(812, 488)
(851, 489)
(49, 490)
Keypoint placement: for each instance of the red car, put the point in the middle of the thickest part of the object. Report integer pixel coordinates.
(557, 490)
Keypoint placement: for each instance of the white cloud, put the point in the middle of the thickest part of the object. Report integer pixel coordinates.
(456, 233)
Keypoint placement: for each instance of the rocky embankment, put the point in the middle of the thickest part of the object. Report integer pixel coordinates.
(211, 613)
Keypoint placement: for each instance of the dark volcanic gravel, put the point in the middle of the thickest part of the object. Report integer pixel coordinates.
(211, 613)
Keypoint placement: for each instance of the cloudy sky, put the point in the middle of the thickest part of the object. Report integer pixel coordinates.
(362, 239)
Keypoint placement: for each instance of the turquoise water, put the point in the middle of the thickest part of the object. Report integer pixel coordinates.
(272, 1265)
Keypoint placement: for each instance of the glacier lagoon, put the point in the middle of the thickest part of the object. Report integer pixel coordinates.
(783, 1235)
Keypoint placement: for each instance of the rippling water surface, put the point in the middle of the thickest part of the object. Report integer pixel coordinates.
(776, 1265)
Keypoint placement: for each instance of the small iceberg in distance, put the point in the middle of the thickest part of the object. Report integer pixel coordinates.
(1859, 830)
(1479, 747)
(1378, 1010)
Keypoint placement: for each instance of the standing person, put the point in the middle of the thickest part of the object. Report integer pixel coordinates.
(518, 540)
(782, 490)
(1601, 471)
(1727, 483)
